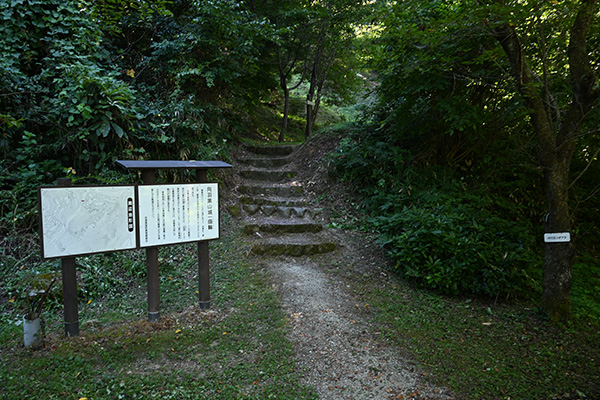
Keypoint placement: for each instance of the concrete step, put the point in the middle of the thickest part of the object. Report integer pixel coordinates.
(282, 212)
(274, 201)
(262, 162)
(282, 227)
(282, 150)
(266, 175)
(293, 245)
(290, 191)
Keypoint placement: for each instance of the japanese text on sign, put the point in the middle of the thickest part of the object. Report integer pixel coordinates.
(178, 213)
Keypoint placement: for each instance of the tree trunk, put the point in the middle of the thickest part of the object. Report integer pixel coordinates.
(285, 70)
(310, 99)
(558, 260)
(286, 112)
(309, 117)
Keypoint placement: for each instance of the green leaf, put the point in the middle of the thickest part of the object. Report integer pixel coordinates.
(118, 130)
(105, 128)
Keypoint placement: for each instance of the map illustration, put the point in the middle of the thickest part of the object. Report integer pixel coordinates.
(85, 220)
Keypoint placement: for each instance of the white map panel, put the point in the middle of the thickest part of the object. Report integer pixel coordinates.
(84, 220)
(172, 214)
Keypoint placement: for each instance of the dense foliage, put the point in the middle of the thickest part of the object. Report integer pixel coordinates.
(87, 82)
(440, 228)
(447, 160)
(82, 86)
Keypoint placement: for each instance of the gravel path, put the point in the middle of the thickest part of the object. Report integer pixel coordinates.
(341, 355)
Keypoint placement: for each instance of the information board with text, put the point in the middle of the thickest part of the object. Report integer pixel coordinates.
(80, 220)
(178, 213)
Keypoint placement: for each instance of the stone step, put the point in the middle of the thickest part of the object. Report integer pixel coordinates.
(262, 162)
(272, 190)
(281, 211)
(274, 201)
(282, 227)
(282, 150)
(266, 175)
(293, 245)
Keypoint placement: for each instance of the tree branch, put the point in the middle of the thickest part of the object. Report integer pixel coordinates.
(585, 169)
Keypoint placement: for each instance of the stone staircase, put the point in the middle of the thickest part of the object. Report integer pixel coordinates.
(278, 217)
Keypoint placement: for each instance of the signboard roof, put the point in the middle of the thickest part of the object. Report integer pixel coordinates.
(171, 164)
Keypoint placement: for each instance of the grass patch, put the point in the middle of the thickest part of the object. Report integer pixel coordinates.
(236, 350)
(485, 351)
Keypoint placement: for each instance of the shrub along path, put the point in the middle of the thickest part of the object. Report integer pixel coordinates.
(339, 352)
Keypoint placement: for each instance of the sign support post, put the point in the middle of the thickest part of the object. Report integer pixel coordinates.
(203, 260)
(84, 220)
(152, 275)
(69, 285)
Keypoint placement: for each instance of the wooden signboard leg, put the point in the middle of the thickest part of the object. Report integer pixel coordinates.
(153, 284)
(69, 285)
(203, 260)
(69, 282)
(149, 177)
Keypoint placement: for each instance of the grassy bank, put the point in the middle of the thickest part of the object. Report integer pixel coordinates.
(236, 350)
(482, 350)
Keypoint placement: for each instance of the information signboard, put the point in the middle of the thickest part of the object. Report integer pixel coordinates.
(181, 213)
(86, 220)
(78, 220)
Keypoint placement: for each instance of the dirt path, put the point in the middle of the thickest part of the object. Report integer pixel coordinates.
(341, 355)
(339, 352)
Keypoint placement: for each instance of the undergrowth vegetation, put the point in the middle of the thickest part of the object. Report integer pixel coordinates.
(446, 230)
(474, 229)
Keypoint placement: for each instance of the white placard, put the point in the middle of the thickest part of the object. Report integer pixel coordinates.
(85, 220)
(557, 237)
(182, 213)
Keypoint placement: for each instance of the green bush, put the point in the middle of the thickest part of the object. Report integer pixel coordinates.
(457, 248)
(444, 227)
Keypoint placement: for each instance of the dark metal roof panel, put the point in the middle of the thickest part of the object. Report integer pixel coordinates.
(171, 164)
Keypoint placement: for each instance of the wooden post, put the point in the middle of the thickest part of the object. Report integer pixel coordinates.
(69, 285)
(203, 260)
(152, 277)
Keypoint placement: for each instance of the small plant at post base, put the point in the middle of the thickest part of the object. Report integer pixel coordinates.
(33, 329)
(34, 305)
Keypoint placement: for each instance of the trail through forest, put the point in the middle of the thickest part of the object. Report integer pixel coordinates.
(339, 352)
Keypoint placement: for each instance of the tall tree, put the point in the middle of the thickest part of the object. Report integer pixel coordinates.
(291, 60)
(557, 130)
(333, 32)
